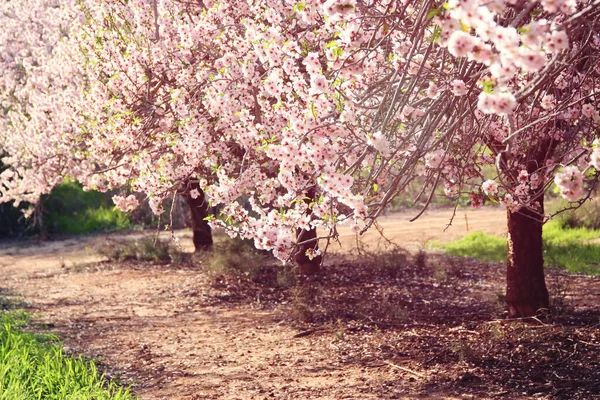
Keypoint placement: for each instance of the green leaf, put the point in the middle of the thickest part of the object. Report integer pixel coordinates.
(437, 32)
(433, 13)
(300, 7)
(488, 86)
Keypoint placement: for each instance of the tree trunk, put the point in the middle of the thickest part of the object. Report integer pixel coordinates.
(526, 291)
(306, 266)
(199, 210)
(38, 219)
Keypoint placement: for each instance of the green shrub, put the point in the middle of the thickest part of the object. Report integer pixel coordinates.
(70, 209)
(32, 366)
(586, 216)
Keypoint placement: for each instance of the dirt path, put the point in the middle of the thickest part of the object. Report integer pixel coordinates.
(436, 225)
(175, 333)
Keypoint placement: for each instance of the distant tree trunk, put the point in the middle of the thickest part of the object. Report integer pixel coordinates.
(306, 266)
(526, 291)
(38, 219)
(200, 210)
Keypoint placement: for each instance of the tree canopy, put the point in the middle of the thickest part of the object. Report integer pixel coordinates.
(315, 112)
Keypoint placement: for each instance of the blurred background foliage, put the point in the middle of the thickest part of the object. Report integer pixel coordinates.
(68, 209)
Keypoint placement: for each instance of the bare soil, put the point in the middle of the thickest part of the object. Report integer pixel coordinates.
(372, 326)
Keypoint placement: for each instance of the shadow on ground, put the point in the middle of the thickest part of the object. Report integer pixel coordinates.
(441, 322)
(386, 325)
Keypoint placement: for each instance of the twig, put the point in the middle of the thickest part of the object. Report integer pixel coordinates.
(588, 343)
(519, 319)
(405, 369)
(304, 333)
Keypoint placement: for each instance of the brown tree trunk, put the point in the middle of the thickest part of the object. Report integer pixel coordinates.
(38, 219)
(306, 266)
(199, 209)
(526, 291)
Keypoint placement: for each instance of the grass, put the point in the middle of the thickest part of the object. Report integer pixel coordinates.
(33, 366)
(478, 245)
(567, 248)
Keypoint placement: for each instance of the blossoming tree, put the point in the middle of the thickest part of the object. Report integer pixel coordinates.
(316, 113)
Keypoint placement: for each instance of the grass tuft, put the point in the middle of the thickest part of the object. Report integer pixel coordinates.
(237, 256)
(145, 249)
(33, 366)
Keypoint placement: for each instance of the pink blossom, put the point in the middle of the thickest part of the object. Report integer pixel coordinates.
(570, 183)
(432, 90)
(125, 203)
(496, 103)
(458, 87)
(548, 102)
(588, 110)
(530, 60)
(379, 142)
(312, 253)
(460, 44)
(509, 203)
(434, 159)
(194, 193)
(595, 159)
(490, 187)
(476, 200)
(523, 177)
(558, 41)
(334, 8)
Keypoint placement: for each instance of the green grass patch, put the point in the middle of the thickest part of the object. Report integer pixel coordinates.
(567, 248)
(478, 245)
(556, 234)
(34, 366)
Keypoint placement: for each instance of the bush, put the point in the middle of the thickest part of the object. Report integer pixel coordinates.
(586, 216)
(69, 209)
(12, 220)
